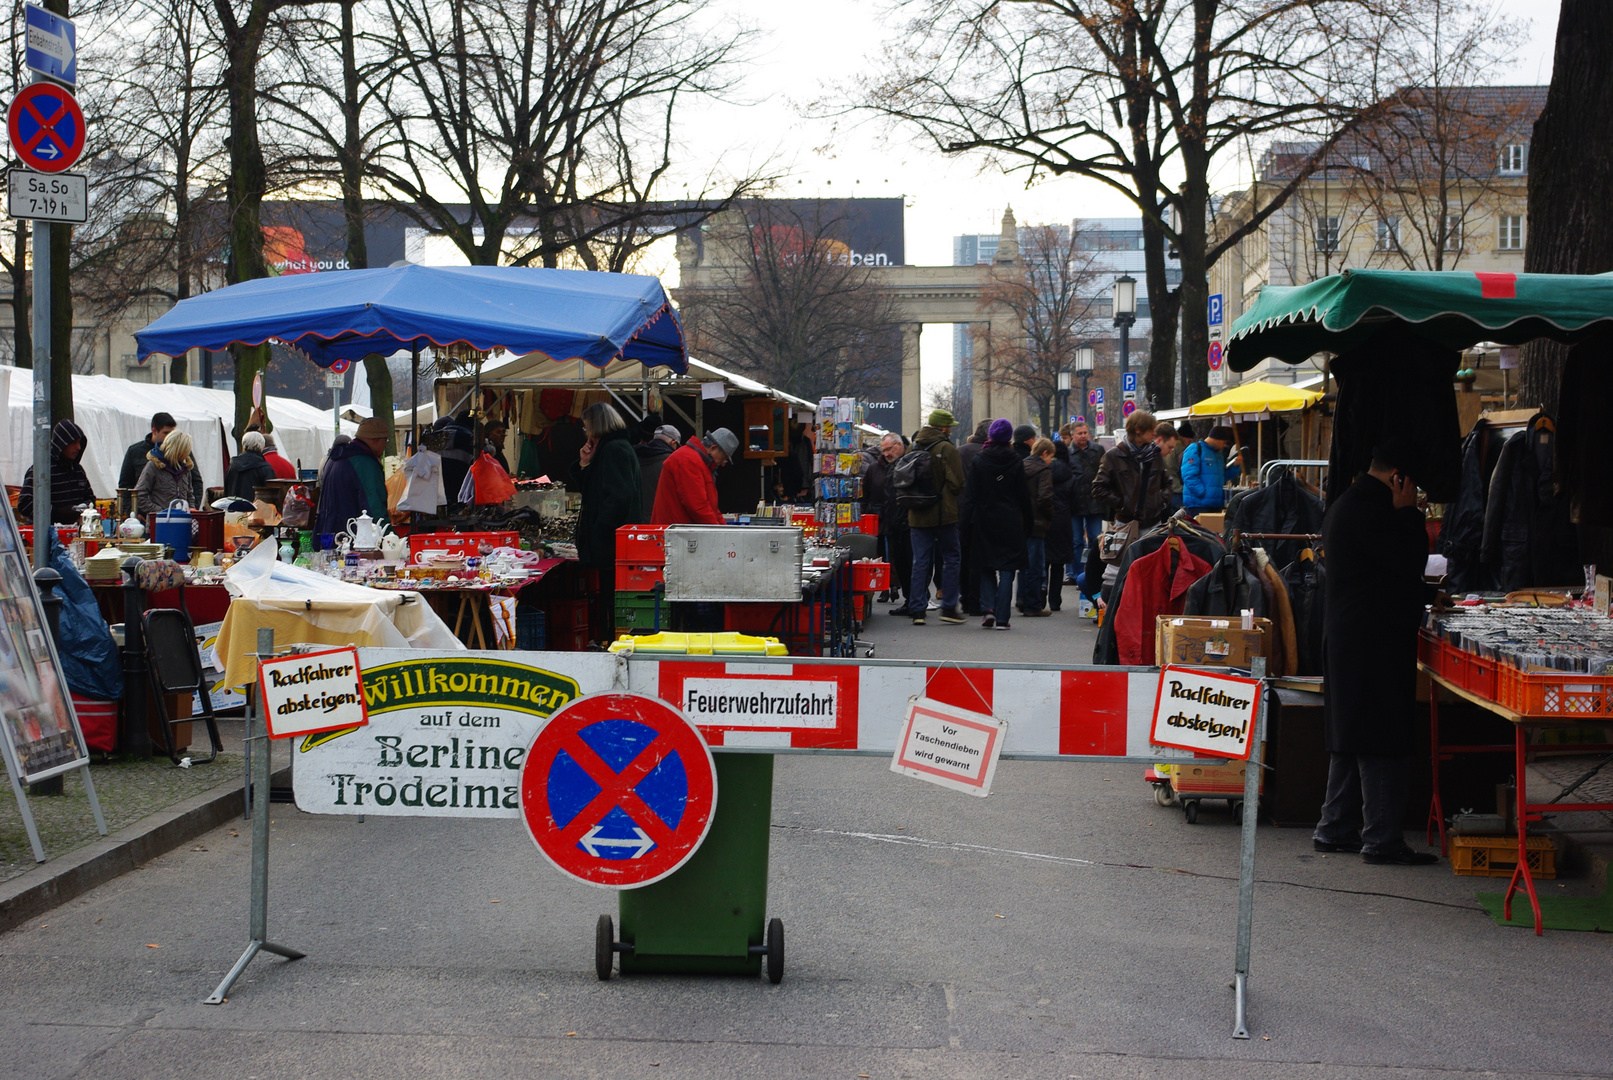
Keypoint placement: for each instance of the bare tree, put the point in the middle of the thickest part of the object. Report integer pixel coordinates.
(1053, 293)
(1135, 94)
(784, 302)
(551, 119)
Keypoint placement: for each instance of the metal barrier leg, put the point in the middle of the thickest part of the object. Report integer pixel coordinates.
(1246, 863)
(257, 729)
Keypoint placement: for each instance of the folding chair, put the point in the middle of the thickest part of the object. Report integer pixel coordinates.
(176, 668)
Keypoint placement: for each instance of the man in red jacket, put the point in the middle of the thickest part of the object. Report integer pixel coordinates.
(687, 491)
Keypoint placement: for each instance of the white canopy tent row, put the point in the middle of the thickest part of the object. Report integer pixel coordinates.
(116, 413)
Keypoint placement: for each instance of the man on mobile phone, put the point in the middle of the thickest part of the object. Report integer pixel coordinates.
(1376, 548)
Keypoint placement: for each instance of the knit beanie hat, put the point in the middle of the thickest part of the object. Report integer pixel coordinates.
(1000, 432)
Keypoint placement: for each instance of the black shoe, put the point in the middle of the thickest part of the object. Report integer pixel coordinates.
(1348, 846)
(1400, 857)
(918, 620)
(899, 611)
(951, 615)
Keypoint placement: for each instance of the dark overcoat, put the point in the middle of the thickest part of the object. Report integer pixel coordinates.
(1375, 595)
(1000, 515)
(611, 497)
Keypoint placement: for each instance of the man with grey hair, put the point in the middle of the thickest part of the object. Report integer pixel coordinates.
(652, 454)
(687, 491)
(248, 470)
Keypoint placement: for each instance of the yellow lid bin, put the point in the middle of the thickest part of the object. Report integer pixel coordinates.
(727, 644)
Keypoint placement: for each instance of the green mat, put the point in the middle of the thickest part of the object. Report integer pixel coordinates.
(1593, 913)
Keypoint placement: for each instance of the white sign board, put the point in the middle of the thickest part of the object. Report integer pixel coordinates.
(1218, 376)
(949, 746)
(761, 703)
(311, 693)
(1205, 712)
(47, 196)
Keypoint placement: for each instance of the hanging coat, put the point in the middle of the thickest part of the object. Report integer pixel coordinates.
(1375, 597)
(1461, 533)
(1157, 585)
(1528, 539)
(1306, 578)
(1202, 543)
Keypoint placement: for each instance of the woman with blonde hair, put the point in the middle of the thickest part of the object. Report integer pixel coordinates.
(170, 474)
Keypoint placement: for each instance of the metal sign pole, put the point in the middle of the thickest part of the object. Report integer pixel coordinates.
(257, 731)
(43, 522)
(1246, 863)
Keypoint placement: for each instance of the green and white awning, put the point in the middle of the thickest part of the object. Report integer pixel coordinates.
(1453, 308)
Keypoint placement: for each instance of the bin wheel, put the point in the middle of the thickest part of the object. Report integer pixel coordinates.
(1163, 794)
(1237, 810)
(1190, 810)
(604, 947)
(775, 950)
(869, 651)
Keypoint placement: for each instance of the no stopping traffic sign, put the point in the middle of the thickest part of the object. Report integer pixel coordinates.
(618, 790)
(46, 127)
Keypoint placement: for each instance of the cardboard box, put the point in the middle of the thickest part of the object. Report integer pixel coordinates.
(1216, 522)
(1180, 639)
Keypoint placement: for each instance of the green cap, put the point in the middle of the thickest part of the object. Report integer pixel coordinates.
(942, 418)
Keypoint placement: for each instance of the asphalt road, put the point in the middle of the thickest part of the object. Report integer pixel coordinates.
(1064, 927)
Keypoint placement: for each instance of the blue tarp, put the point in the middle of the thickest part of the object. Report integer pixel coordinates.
(348, 314)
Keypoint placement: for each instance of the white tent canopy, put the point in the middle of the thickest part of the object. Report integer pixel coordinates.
(116, 413)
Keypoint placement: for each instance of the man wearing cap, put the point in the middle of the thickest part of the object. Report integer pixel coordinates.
(353, 481)
(1377, 549)
(935, 527)
(687, 491)
(659, 442)
(1207, 470)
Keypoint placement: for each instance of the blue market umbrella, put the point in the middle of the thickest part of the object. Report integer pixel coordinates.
(348, 314)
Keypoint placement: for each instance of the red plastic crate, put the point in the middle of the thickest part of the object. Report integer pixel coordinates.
(870, 577)
(567, 615)
(639, 577)
(1554, 695)
(870, 524)
(641, 544)
(468, 544)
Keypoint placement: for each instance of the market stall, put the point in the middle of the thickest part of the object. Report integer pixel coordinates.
(1268, 407)
(1396, 341)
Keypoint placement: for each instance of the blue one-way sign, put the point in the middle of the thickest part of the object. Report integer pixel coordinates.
(52, 46)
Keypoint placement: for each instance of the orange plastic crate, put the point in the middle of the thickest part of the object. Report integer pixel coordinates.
(1497, 856)
(1554, 695)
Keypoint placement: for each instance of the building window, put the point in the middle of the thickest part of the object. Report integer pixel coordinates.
(1512, 159)
(1511, 233)
(1453, 232)
(1389, 234)
(1327, 234)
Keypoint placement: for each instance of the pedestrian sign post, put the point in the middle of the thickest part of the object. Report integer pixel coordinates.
(618, 790)
(46, 127)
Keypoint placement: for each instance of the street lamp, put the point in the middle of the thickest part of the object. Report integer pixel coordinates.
(1125, 309)
(1083, 370)
(1064, 395)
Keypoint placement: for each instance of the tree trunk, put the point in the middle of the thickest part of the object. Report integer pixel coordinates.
(247, 183)
(1570, 228)
(22, 332)
(380, 380)
(1193, 247)
(1158, 384)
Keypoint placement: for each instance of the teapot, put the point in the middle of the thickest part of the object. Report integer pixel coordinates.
(89, 522)
(132, 528)
(394, 547)
(365, 532)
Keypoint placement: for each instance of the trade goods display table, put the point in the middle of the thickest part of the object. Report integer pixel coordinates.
(1477, 665)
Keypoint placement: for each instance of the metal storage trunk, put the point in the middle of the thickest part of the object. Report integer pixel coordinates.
(733, 562)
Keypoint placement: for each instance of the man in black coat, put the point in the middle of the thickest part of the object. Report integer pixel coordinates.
(1377, 549)
(134, 458)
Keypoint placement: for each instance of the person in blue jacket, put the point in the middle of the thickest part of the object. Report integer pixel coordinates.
(1207, 469)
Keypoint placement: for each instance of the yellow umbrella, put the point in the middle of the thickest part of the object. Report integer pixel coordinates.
(1256, 398)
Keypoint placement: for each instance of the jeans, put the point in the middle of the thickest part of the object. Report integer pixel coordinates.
(1087, 528)
(1030, 579)
(926, 542)
(1366, 796)
(996, 593)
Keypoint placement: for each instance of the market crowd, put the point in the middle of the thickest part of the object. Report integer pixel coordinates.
(1000, 525)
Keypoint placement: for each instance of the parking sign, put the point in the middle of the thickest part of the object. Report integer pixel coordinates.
(1128, 383)
(1217, 310)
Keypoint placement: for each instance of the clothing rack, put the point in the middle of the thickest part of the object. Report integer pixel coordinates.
(1276, 536)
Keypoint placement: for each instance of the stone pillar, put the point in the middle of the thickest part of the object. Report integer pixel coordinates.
(912, 386)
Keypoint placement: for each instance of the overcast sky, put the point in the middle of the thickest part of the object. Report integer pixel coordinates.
(807, 52)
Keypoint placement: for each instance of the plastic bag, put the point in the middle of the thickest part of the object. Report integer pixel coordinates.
(396, 485)
(298, 507)
(493, 484)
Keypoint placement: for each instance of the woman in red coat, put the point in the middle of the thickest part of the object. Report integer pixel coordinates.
(687, 492)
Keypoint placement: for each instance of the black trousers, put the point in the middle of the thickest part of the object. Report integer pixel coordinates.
(1366, 798)
(899, 550)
